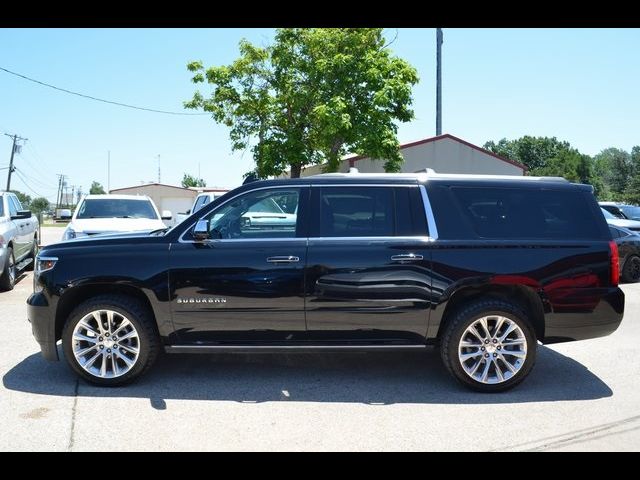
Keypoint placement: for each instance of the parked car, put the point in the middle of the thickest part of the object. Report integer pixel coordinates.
(629, 250)
(632, 225)
(100, 214)
(484, 267)
(18, 239)
(200, 201)
(622, 210)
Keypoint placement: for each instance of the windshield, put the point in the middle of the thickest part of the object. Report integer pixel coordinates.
(631, 211)
(116, 208)
(607, 214)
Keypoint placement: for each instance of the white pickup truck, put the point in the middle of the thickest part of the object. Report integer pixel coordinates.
(18, 239)
(201, 200)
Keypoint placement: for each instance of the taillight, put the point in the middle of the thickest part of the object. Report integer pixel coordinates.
(615, 263)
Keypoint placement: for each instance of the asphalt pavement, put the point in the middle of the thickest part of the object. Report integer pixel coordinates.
(579, 396)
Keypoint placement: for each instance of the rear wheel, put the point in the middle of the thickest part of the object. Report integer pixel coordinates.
(489, 346)
(8, 277)
(631, 270)
(110, 340)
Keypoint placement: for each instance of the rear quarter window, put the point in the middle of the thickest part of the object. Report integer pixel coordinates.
(520, 213)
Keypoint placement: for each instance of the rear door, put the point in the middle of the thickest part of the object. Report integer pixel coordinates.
(368, 272)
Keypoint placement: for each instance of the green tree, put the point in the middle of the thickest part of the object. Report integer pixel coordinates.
(39, 204)
(192, 181)
(312, 96)
(615, 168)
(632, 192)
(575, 167)
(25, 200)
(96, 189)
(534, 152)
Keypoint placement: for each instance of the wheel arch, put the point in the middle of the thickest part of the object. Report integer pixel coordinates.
(523, 296)
(75, 296)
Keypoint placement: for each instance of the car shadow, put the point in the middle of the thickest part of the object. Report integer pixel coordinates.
(369, 378)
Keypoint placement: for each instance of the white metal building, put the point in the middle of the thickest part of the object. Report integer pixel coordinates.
(444, 153)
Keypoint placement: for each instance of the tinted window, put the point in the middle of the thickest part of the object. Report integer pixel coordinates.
(16, 203)
(1, 206)
(510, 213)
(116, 208)
(356, 212)
(631, 212)
(268, 213)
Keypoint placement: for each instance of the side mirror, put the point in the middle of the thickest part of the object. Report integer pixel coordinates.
(21, 215)
(201, 231)
(166, 215)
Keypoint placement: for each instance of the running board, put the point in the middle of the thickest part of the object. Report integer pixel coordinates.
(284, 348)
(23, 263)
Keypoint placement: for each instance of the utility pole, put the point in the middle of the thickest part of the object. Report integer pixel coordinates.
(108, 171)
(159, 168)
(61, 186)
(438, 81)
(14, 147)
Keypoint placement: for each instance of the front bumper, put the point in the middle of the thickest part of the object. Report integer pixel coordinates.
(587, 313)
(43, 326)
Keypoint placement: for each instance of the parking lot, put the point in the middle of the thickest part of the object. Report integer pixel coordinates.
(580, 396)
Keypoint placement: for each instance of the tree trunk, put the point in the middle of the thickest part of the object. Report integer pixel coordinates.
(295, 171)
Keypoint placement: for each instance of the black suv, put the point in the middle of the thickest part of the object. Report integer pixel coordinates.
(483, 267)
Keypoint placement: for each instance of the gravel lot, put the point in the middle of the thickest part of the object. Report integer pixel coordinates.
(580, 396)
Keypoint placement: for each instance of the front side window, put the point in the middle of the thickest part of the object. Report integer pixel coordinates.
(263, 214)
(356, 212)
(116, 208)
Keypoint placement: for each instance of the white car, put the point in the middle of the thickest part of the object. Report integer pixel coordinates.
(611, 219)
(98, 214)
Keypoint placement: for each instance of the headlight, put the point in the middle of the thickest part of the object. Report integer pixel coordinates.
(44, 263)
(69, 233)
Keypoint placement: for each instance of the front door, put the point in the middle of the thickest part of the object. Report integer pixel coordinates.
(369, 265)
(246, 283)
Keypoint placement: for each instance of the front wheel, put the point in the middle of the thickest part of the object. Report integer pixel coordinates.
(489, 346)
(110, 340)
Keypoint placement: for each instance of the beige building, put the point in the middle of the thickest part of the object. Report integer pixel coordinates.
(444, 153)
(166, 197)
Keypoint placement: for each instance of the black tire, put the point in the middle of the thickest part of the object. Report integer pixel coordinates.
(7, 279)
(32, 255)
(467, 315)
(631, 270)
(142, 320)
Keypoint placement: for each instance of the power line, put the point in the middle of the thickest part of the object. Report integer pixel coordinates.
(35, 180)
(96, 98)
(19, 175)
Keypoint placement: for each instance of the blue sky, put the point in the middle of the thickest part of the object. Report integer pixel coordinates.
(580, 85)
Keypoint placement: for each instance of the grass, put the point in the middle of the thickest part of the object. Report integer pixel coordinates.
(52, 224)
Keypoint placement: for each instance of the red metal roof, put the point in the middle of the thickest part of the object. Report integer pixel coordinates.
(354, 159)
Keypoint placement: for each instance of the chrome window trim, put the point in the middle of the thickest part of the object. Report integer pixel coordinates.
(386, 238)
(271, 187)
(431, 221)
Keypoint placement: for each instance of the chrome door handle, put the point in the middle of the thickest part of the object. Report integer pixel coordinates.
(406, 257)
(283, 259)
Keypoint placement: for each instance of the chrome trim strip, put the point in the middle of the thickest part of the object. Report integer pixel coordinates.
(423, 238)
(182, 240)
(431, 221)
(226, 348)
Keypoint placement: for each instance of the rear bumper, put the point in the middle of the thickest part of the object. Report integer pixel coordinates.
(42, 325)
(586, 313)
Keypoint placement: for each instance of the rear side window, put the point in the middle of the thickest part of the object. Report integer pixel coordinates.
(511, 213)
(356, 212)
